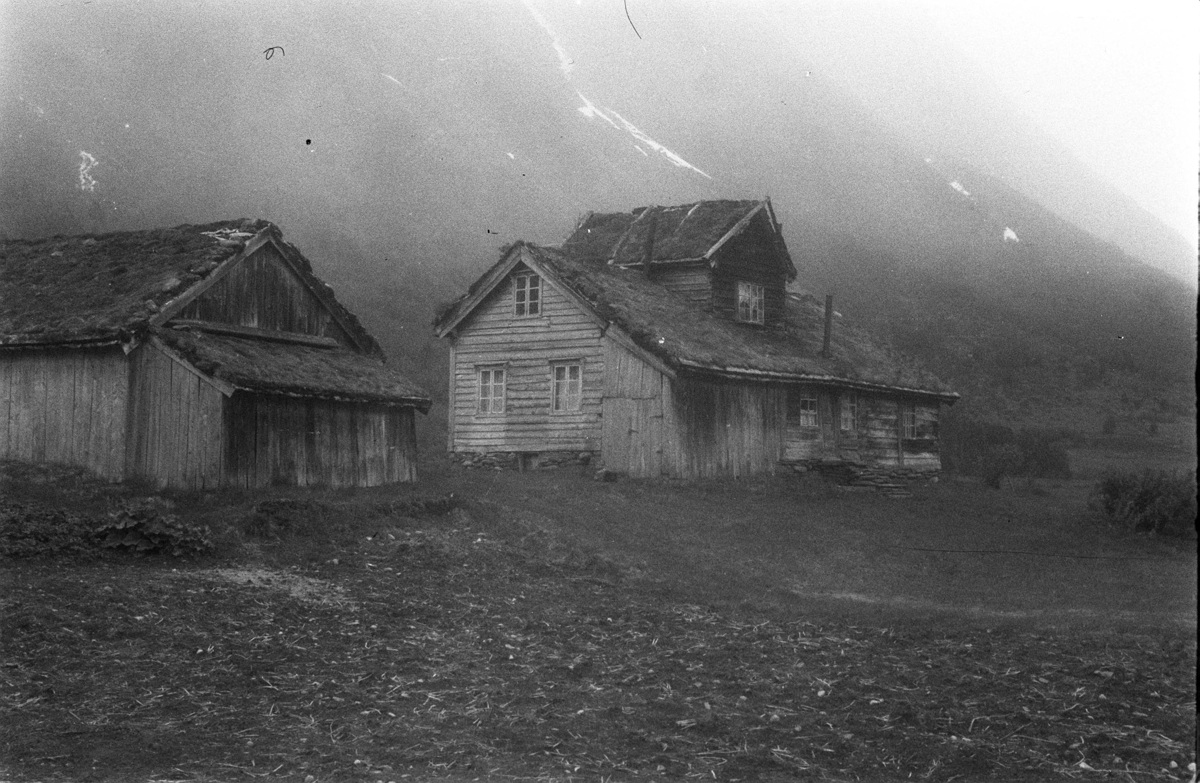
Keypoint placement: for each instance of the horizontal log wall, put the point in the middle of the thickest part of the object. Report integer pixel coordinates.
(277, 440)
(263, 292)
(525, 347)
(65, 405)
(176, 427)
(691, 281)
(805, 442)
(924, 451)
(878, 438)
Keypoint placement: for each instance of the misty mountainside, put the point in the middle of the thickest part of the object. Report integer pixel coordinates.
(400, 146)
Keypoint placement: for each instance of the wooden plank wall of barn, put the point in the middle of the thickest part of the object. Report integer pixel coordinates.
(263, 292)
(525, 346)
(280, 440)
(65, 405)
(176, 424)
(639, 428)
(753, 257)
(729, 428)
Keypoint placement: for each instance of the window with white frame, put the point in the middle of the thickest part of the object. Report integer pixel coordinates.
(750, 303)
(849, 419)
(908, 420)
(491, 389)
(802, 407)
(806, 410)
(566, 386)
(527, 294)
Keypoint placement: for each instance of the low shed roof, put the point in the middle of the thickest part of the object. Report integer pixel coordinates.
(279, 368)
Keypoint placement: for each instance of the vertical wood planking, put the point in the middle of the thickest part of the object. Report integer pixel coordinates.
(48, 402)
(263, 292)
(5, 403)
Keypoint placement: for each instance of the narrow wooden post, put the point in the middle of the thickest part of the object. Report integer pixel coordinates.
(648, 251)
(828, 324)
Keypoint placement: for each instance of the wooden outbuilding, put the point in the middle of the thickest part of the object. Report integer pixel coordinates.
(665, 342)
(194, 357)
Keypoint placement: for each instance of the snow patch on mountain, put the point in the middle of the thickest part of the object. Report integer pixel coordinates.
(566, 63)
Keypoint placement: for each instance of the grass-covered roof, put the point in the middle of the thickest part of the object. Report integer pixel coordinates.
(283, 368)
(71, 289)
(686, 231)
(111, 287)
(685, 336)
(79, 288)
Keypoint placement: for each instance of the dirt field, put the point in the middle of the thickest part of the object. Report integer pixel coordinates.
(549, 627)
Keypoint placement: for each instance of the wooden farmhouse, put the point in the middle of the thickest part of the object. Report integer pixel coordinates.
(665, 342)
(194, 357)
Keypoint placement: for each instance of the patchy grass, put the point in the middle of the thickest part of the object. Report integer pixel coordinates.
(553, 628)
(960, 552)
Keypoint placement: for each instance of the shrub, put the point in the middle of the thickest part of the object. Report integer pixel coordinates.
(1154, 501)
(31, 531)
(143, 528)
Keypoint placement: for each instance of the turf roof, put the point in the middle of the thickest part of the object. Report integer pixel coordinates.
(282, 368)
(688, 338)
(107, 287)
(686, 231)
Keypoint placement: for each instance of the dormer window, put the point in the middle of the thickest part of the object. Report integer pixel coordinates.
(527, 294)
(750, 303)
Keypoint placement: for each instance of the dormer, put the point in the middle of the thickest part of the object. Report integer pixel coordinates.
(728, 257)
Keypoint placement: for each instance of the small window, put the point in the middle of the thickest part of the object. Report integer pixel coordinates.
(849, 412)
(566, 381)
(808, 412)
(527, 294)
(491, 390)
(750, 303)
(908, 420)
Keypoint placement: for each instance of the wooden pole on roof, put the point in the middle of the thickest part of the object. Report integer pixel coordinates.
(648, 258)
(828, 325)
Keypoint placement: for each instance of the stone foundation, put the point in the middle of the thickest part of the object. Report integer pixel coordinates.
(891, 480)
(525, 460)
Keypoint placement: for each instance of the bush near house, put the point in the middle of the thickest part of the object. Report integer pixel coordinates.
(1155, 501)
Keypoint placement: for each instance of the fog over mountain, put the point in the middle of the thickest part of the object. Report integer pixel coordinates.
(399, 145)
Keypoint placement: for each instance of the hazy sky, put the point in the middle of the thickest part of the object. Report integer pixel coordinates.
(505, 100)
(1118, 81)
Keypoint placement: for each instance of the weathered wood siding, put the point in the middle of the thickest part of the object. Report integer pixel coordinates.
(640, 436)
(65, 405)
(924, 451)
(263, 292)
(877, 440)
(878, 429)
(752, 257)
(525, 347)
(803, 442)
(729, 428)
(691, 281)
(278, 440)
(176, 427)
